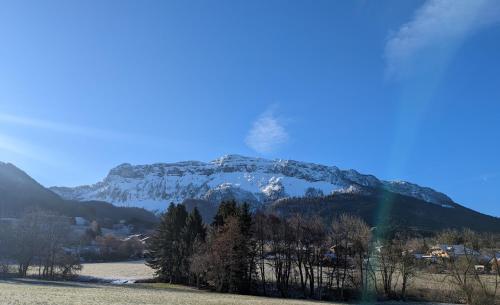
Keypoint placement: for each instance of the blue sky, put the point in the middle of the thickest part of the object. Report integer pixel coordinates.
(399, 89)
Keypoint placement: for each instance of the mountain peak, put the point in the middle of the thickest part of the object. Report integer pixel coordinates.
(235, 158)
(252, 179)
(20, 192)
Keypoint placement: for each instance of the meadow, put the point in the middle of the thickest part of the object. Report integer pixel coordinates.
(15, 291)
(424, 286)
(35, 292)
(131, 271)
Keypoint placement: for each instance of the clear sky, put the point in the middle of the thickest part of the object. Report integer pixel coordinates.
(400, 89)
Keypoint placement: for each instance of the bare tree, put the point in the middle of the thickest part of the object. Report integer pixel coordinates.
(496, 269)
(29, 240)
(199, 263)
(407, 263)
(281, 250)
(227, 257)
(55, 235)
(262, 232)
(6, 246)
(461, 267)
(389, 254)
(296, 224)
(42, 239)
(313, 248)
(350, 236)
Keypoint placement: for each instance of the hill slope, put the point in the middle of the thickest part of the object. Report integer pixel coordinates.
(20, 193)
(383, 208)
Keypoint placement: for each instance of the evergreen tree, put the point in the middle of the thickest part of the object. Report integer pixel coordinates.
(247, 248)
(233, 247)
(195, 229)
(245, 217)
(226, 209)
(166, 248)
(194, 236)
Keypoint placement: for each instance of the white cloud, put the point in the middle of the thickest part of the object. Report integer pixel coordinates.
(60, 127)
(267, 134)
(437, 28)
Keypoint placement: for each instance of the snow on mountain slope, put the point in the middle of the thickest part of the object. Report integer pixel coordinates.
(254, 180)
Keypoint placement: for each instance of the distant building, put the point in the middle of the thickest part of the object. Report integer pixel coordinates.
(495, 262)
(447, 251)
(80, 221)
(430, 258)
(479, 268)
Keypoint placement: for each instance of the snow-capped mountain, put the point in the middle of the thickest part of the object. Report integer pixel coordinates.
(253, 180)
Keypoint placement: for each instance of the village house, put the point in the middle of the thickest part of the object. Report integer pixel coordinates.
(447, 251)
(495, 262)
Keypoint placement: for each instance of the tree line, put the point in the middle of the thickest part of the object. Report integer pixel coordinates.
(44, 244)
(301, 257)
(37, 244)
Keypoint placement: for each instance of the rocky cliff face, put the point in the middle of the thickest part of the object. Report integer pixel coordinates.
(253, 180)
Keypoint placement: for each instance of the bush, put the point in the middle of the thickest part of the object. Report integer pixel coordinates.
(68, 265)
(4, 269)
(480, 297)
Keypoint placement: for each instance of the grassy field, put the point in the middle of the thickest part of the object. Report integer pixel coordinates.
(35, 292)
(134, 270)
(31, 292)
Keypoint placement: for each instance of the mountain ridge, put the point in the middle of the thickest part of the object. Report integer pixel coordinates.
(20, 193)
(376, 205)
(252, 179)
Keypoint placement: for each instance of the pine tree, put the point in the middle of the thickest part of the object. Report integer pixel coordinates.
(247, 248)
(233, 247)
(194, 235)
(226, 209)
(245, 217)
(166, 248)
(195, 229)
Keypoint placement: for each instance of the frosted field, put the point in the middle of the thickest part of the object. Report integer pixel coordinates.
(25, 292)
(70, 293)
(134, 270)
(35, 292)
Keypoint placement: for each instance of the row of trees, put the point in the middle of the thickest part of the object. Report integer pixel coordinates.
(38, 242)
(184, 250)
(244, 252)
(174, 243)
